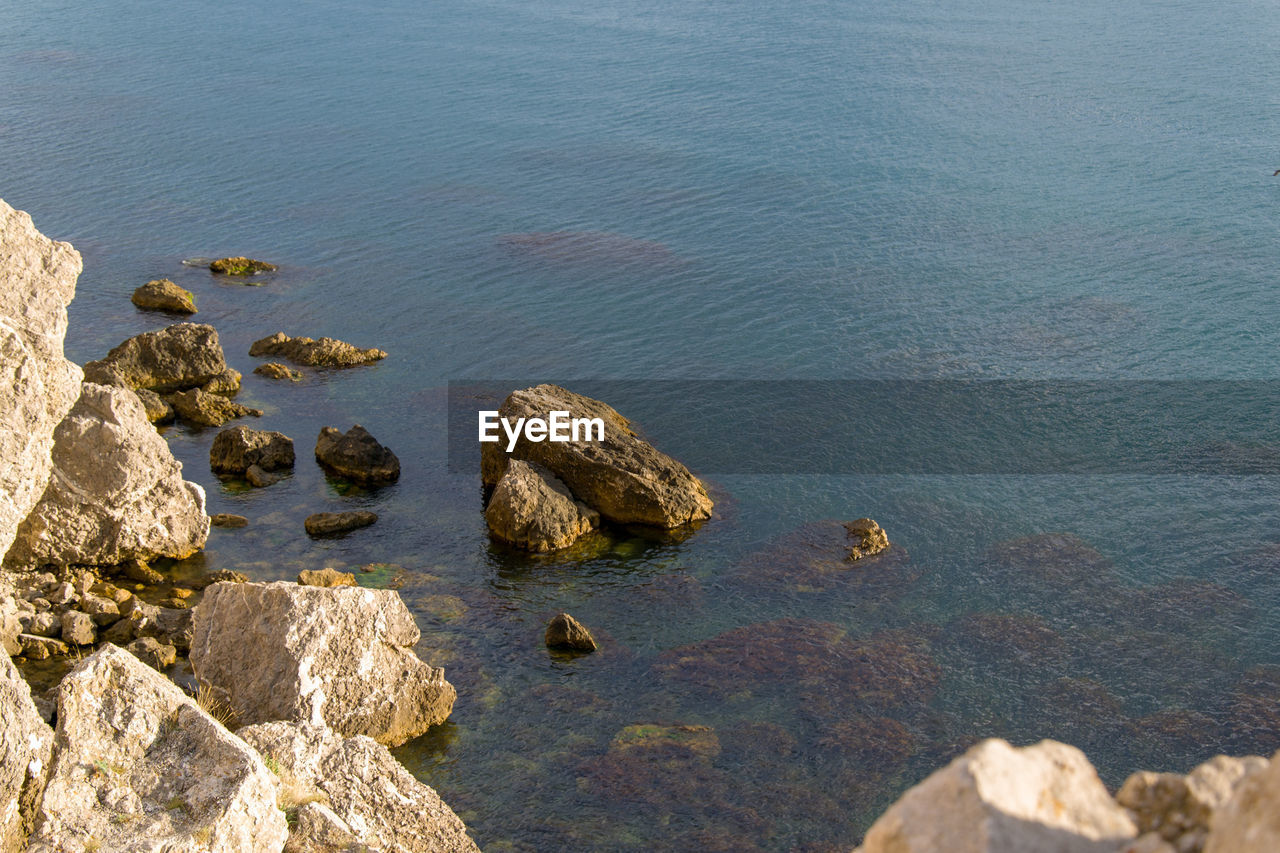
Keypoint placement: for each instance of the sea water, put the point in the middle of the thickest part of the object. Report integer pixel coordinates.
(557, 190)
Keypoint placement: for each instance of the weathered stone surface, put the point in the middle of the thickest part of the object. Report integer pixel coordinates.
(356, 456)
(276, 370)
(341, 656)
(37, 384)
(222, 576)
(158, 411)
(1249, 821)
(116, 493)
(25, 744)
(565, 632)
(316, 828)
(201, 408)
(139, 766)
(41, 648)
(152, 652)
(1180, 809)
(235, 449)
(333, 523)
(372, 796)
(259, 478)
(998, 799)
(623, 477)
(533, 510)
(184, 355)
(326, 578)
(240, 266)
(226, 519)
(78, 628)
(136, 569)
(161, 294)
(226, 383)
(325, 352)
(103, 611)
(867, 537)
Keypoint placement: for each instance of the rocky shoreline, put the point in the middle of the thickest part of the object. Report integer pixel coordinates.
(229, 715)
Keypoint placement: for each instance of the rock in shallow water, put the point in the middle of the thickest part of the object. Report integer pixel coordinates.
(275, 370)
(333, 523)
(326, 578)
(161, 294)
(325, 352)
(201, 408)
(357, 456)
(234, 450)
(533, 510)
(565, 632)
(184, 355)
(240, 266)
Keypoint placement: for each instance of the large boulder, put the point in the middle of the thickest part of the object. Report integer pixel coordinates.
(234, 450)
(25, 743)
(357, 456)
(116, 493)
(998, 799)
(1249, 822)
(370, 798)
(533, 510)
(37, 384)
(623, 477)
(139, 766)
(339, 656)
(1180, 809)
(325, 352)
(181, 356)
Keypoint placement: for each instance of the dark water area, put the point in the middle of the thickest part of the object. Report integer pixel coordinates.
(817, 192)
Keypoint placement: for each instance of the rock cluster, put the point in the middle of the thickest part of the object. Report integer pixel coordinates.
(568, 484)
(325, 352)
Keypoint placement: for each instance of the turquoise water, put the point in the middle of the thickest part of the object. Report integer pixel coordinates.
(986, 189)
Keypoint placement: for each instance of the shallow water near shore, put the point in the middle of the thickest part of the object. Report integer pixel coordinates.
(819, 190)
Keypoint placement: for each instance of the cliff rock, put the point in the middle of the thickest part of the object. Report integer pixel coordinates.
(25, 743)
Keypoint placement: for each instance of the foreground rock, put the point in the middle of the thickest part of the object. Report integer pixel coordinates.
(334, 523)
(181, 356)
(39, 384)
(533, 510)
(1249, 822)
(25, 743)
(240, 266)
(341, 656)
(998, 799)
(117, 492)
(234, 450)
(356, 456)
(325, 352)
(565, 632)
(368, 798)
(622, 477)
(1180, 809)
(199, 408)
(161, 294)
(140, 766)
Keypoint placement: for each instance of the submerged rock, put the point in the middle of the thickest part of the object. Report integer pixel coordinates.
(234, 450)
(25, 745)
(38, 385)
(184, 355)
(820, 556)
(240, 266)
(161, 294)
(276, 370)
(138, 765)
(565, 632)
(998, 799)
(226, 519)
(533, 510)
(622, 477)
(368, 796)
(325, 352)
(341, 656)
(118, 493)
(333, 523)
(200, 408)
(356, 456)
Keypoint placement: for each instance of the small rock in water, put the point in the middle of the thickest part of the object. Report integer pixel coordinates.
(325, 352)
(238, 448)
(138, 570)
(331, 523)
(161, 294)
(868, 538)
(226, 519)
(226, 383)
(326, 578)
(41, 648)
(260, 478)
(565, 632)
(276, 370)
(240, 266)
(199, 408)
(356, 456)
(221, 576)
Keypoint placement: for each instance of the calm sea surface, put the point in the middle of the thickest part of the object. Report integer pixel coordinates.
(555, 190)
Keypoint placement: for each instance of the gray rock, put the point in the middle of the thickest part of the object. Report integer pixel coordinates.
(326, 578)
(276, 370)
(259, 478)
(152, 652)
(37, 384)
(623, 478)
(1180, 809)
(184, 355)
(372, 796)
(341, 656)
(998, 799)
(12, 622)
(226, 519)
(333, 523)
(356, 456)
(316, 828)
(161, 294)
(121, 633)
(158, 411)
(201, 408)
(78, 628)
(238, 447)
(139, 766)
(533, 510)
(565, 632)
(25, 745)
(176, 626)
(117, 492)
(62, 595)
(325, 352)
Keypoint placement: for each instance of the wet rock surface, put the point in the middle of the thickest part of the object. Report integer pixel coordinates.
(275, 370)
(357, 456)
(565, 632)
(336, 523)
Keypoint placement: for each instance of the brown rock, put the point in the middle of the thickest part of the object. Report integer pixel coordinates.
(158, 411)
(356, 456)
(240, 266)
(533, 510)
(226, 383)
(261, 479)
(226, 519)
(325, 352)
(326, 578)
(161, 294)
(153, 653)
(565, 632)
(276, 370)
(184, 355)
(235, 449)
(867, 538)
(332, 523)
(199, 408)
